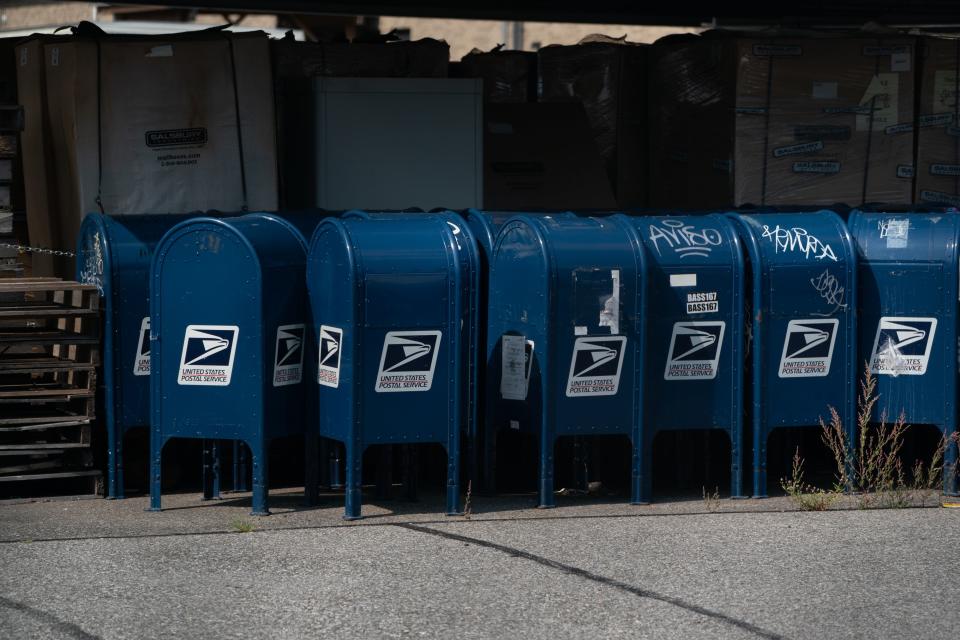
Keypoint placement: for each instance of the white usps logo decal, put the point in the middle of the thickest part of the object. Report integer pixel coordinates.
(808, 348)
(207, 357)
(694, 350)
(328, 364)
(288, 356)
(595, 366)
(407, 361)
(902, 346)
(141, 365)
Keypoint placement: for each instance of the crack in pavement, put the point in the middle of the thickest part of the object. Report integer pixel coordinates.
(66, 628)
(595, 577)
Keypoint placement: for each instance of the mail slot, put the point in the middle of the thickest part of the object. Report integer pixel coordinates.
(227, 320)
(907, 307)
(802, 320)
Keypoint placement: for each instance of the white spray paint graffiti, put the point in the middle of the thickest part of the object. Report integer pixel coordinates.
(797, 239)
(828, 286)
(684, 239)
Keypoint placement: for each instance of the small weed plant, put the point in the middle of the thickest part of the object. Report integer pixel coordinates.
(871, 466)
(241, 526)
(711, 501)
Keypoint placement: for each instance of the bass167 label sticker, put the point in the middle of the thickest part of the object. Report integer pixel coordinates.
(808, 348)
(595, 366)
(207, 357)
(328, 365)
(141, 366)
(694, 351)
(407, 361)
(288, 356)
(702, 302)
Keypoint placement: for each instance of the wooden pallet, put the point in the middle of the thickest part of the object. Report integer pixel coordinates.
(49, 355)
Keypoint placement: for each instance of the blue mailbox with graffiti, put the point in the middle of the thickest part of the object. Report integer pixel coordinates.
(802, 324)
(227, 315)
(114, 253)
(694, 348)
(393, 299)
(907, 305)
(565, 333)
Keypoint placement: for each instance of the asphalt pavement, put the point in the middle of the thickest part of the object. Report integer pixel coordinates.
(590, 568)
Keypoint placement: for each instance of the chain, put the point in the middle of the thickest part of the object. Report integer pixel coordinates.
(22, 248)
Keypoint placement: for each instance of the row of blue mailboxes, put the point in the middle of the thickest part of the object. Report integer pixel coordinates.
(385, 328)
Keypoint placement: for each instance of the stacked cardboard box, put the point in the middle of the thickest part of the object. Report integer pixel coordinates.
(609, 77)
(508, 76)
(938, 123)
(136, 124)
(774, 121)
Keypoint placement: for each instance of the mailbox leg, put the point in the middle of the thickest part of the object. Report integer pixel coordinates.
(311, 480)
(353, 488)
(335, 461)
(950, 468)
(547, 500)
(241, 466)
(207, 469)
(215, 468)
(637, 471)
(454, 506)
(156, 451)
(581, 474)
(736, 468)
(646, 470)
(119, 492)
(260, 453)
(759, 462)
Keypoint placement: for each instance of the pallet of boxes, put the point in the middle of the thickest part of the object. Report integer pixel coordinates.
(49, 354)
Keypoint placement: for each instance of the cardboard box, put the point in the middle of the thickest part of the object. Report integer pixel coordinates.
(508, 76)
(527, 165)
(295, 66)
(938, 123)
(782, 121)
(165, 124)
(609, 78)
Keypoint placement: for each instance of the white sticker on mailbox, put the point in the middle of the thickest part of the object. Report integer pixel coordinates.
(141, 366)
(328, 363)
(515, 366)
(408, 361)
(902, 346)
(207, 357)
(595, 366)
(694, 350)
(288, 357)
(808, 348)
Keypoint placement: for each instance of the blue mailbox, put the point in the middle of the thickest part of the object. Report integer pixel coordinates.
(908, 316)
(694, 348)
(565, 334)
(114, 253)
(393, 299)
(227, 316)
(802, 324)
